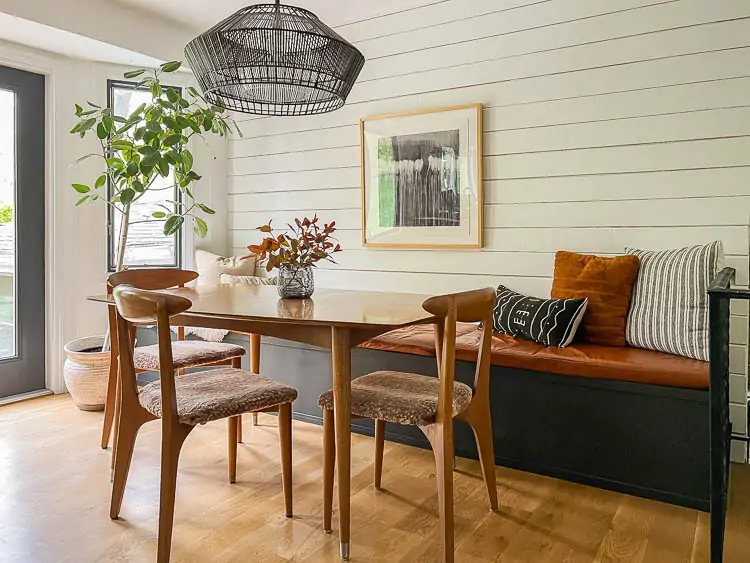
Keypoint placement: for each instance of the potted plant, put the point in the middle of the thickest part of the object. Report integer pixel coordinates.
(296, 253)
(152, 142)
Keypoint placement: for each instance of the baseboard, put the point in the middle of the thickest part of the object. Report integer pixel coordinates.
(25, 396)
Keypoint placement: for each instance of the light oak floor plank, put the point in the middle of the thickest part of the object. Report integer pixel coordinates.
(54, 494)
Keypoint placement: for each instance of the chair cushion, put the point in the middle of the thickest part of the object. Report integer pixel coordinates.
(187, 353)
(404, 398)
(218, 393)
(583, 360)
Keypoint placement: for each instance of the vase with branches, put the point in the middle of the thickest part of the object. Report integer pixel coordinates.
(152, 142)
(295, 253)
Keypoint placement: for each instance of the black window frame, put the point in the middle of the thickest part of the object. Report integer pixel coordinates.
(111, 226)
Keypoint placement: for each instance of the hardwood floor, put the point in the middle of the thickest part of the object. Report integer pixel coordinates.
(54, 495)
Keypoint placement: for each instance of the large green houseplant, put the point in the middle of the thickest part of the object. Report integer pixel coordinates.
(152, 142)
(135, 150)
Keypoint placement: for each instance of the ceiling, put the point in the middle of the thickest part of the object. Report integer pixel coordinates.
(202, 14)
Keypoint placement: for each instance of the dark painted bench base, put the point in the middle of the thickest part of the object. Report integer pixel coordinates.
(644, 440)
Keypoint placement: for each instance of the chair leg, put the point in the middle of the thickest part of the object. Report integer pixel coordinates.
(109, 406)
(233, 429)
(379, 447)
(171, 444)
(237, 364)
(329, 465)
(116, 429)
(255, 419)
(481, 424)
(285, 439)
(123, 455)
(441, 438)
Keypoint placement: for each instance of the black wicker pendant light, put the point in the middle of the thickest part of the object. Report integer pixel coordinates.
(273, 59)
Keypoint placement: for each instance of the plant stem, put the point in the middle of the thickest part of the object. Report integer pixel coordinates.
(124, 227)
(123, 242)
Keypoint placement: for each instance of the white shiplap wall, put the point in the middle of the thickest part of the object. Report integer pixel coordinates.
(625, 122)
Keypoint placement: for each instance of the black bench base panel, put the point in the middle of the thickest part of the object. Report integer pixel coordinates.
(638, 439)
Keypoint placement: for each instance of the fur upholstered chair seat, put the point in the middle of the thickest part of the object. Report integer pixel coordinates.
(218, 393)
(187, 353)
(404, 398)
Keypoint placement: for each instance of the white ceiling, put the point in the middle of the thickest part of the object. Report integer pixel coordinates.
(40, 36)
(202, 14)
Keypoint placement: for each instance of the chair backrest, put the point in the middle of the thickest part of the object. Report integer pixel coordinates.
(137, 306)
(151, 278)
(467, 306)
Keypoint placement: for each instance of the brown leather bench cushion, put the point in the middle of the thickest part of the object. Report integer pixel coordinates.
(585, 360)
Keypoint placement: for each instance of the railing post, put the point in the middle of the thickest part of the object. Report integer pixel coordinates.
(720, 427)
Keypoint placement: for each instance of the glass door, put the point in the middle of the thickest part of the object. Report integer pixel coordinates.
(22, 338)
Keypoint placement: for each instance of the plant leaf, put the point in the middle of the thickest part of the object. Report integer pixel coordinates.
(200, 227)
(134, 73)
(172, 95)
(127, 195)
(187, 160)
(100, 181)
(171, 140)
(158, 215)
(82, 200)
(171, 66)
(206, 209)
(173, 224)
(81, 188)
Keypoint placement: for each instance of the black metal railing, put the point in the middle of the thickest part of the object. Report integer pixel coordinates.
(720, 295)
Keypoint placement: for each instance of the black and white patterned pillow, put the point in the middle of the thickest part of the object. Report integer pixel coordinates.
(552, 322)
(669, 307)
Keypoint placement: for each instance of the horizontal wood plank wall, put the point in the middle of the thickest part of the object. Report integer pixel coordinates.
(607, 124)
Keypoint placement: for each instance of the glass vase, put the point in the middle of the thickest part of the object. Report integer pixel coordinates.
(295, 282)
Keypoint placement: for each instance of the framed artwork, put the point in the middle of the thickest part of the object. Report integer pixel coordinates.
(422, 178)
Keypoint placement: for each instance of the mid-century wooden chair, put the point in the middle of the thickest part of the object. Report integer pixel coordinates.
(184, 402)
(429, 403)
(186, 354)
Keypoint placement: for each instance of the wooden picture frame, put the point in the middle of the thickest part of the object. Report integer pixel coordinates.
(421, 175)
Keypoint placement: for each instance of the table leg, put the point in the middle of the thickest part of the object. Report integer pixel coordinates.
(255, 363)
(342, 389)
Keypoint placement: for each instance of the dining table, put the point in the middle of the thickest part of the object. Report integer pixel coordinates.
(334, 319)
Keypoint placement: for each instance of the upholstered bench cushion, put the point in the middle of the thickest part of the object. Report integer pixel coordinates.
(405, 398)
(579, 359)
(218, 393)
(187, 353)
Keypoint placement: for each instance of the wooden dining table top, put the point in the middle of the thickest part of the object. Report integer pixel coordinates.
(327, 307)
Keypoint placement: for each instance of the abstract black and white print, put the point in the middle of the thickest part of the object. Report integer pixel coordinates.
(419, 181)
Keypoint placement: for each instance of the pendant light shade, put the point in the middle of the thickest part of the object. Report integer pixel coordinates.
(272, 59)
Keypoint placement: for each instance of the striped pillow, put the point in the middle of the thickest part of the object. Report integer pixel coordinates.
(248, 280)
(669, 307)
(552, 322)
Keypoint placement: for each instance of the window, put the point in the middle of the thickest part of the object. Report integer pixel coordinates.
(148, 246)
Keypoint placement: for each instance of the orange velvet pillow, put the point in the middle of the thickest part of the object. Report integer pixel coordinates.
(608, 284)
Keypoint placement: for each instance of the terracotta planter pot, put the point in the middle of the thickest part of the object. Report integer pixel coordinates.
(87, 372)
